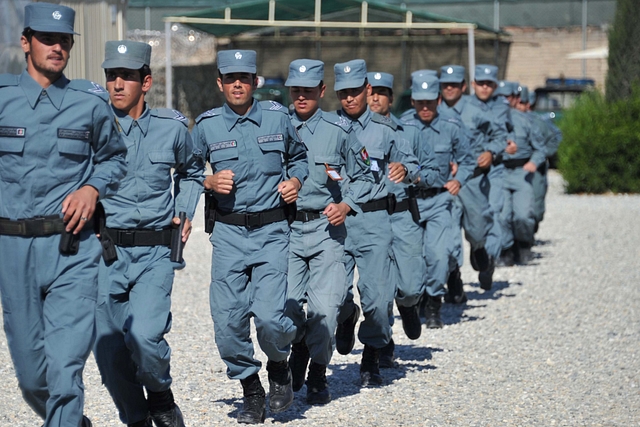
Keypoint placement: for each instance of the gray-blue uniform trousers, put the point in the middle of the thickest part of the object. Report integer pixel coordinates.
(134, 298)
(369, 235)
(472, 208)
(317, 275)
(517, 219)
(552, 137)
(409, 267)
(249, 264)
(449, 142)
(52, 142)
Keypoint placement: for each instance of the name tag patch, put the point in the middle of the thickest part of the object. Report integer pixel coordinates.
(222, 145)
(12, 132)
(80, 134)
(271, 138)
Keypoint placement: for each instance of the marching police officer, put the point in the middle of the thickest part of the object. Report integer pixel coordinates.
(369, 234)
(136, 275)
(451, 146)
(259, 165)
(409, 268)
(317, 275)
(59, 153)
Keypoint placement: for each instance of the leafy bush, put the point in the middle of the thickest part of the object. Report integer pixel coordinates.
(600, 149)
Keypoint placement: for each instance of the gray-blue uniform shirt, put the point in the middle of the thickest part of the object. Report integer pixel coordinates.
(48, 149)
(258, 147)
(528, 138)
(156, 142)
(332, 143)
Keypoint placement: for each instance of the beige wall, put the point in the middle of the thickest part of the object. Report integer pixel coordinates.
(537, 54)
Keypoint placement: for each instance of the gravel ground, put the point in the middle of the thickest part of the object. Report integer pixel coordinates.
(556, 342)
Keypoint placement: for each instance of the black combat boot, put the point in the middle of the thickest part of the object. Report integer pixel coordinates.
(387, 357)
(507, 258)
(298, 361)
(163, 409)
(479, 259)
(86, 422)
(345, 333)
(455, 286)
(253, 405)
(486, 277)
(432, 312)
(280, 387)
(410, 321)
(524, 253)
(143, 423)
(317, 387)
(369, 367)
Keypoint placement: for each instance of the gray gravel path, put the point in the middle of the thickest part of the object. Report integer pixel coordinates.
(554, 343)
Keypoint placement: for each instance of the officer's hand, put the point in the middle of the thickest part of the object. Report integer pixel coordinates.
(220, 182)
(485, 159)
(336, 213)
(289, 190)
(78, 208)
(396, 172)
(453, 186)
(454, 168)
(186, 231)
(530, 167)
(512, 147)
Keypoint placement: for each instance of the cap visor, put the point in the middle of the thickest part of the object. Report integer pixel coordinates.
(48, 28)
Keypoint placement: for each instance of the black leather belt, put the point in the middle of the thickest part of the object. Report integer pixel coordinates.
(401, 206)
(385, 204)
(306, 216)
(425, 193)
(35, 227)
(254, 219)
(480, 171)
(139, 237)
(515, 163)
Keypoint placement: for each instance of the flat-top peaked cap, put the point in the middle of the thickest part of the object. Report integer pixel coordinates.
(504, 88)
(351, 74)
(486, 73)
(452, 74)
(305, 73)
(425, 85)
(49, 18)
(126, 54)
(237, 61)
(379, 79)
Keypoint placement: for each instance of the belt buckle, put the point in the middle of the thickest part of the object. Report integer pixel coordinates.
(33, 226)
(126, 237)
(253, 220)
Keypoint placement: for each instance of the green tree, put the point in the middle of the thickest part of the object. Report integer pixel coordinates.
(624, 50)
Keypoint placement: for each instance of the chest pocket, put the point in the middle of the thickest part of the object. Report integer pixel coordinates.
(443, 156)
(319, 174)
(273, 157)
(73, 157)
(223, 158)
(158, 175)
(11, 158)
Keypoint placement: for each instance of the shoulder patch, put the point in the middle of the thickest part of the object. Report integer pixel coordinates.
(336, 120)
(8, 80)
(454, 121)
(210, 113)
(167, 113)
(377, 118)
(273, 106)
(82, 85)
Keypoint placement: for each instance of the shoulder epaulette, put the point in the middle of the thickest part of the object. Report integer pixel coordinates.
(210, 113)
(453, 120)
(336, 120)
(8, 80)
(168, 113)
(274, 106)
(378, 118)
(87, 86)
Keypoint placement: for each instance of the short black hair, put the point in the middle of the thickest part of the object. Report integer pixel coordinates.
(145, 71)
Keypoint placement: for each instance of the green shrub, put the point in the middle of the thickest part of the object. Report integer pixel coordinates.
(600, 149)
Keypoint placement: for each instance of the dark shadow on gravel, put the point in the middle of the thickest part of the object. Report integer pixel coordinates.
(455, 313)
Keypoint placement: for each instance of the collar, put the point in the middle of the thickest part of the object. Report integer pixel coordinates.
(363, 120)
(231, 117)
(33, 90)
(435, 123)
(125, 121)
(311, 123)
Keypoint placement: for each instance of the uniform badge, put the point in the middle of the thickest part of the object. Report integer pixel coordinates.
(425, 85)
(365, 156)
(57, 15)
(487, 71)
(333, 174)
(377, 76)
(97, 88)
(302, 69)
(449, 70)
(10, 131)
(347, 69)
(275, 105)
(122, 49)
(179, 116)
(238, 55)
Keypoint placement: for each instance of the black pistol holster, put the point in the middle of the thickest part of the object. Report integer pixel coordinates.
(210, 204)
(290, 211)
(413, 204)
(109, 253)
(176, 239)
(69, 242)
